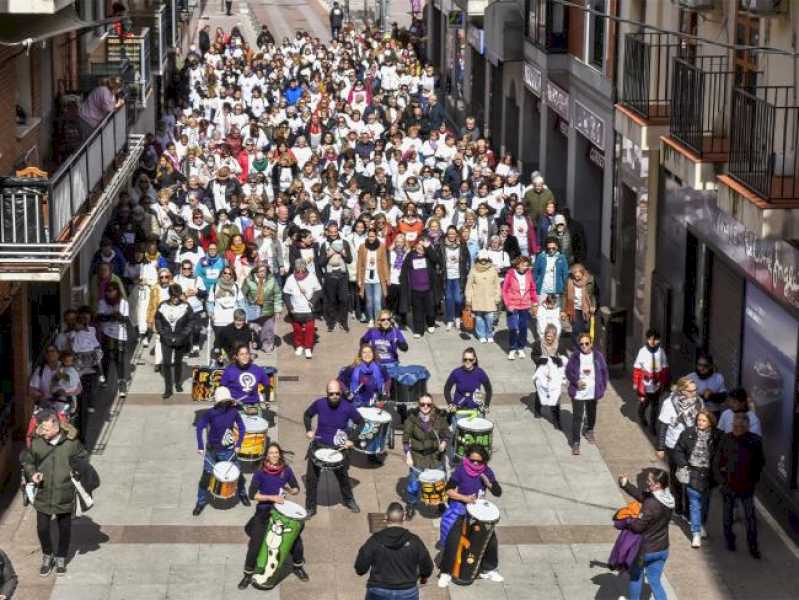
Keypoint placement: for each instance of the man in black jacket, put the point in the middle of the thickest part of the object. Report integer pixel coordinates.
(334, 256)
(736, 468)
(336, 20)
(397, 559)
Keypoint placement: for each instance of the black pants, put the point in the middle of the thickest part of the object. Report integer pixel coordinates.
(85, 402)
(115, 351)
(422, 310)
(173, 362)
(334, 31)
(555, 410)
(392, 303)
(256, 529)
(652, 403)
(337, 299)
(680, 504)
(198, 321)
(64, 525)
(748, 501)
(580, 407)
(579, 326)
(312, 481)
(447, 562)
(228, 6)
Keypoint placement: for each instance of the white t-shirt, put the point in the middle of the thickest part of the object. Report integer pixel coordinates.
(301, 292)
(668, 416)
(41, 378)
(522, 279)
(371, 276)
(117, 330)
(549, 275)
(588, 376)
(453, 262)
(520, 231)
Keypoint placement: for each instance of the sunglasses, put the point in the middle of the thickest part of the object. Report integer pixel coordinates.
(469, 360)
(164, 278)
(334, 393)
(425, 404)
(476, 462)
(186, 268)
(383, 320)
(585, 344)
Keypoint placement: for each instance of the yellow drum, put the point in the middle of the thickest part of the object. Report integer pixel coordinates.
(224, 480)
(433, 487)
(253, 446)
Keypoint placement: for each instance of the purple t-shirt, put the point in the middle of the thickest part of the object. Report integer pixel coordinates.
(270, 485)
(468, 485)
(419, 274)
(330, 420)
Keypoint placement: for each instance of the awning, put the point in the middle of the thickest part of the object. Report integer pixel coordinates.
(29, 29)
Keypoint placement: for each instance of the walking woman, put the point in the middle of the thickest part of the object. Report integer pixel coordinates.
(652, 524)
(113, 314)
(519, 296)
(580, 304)
(693, 456)
(396, 259)
(549, 357)
(453, 260)
(173, 322)
(262, 291)
(587, 373)
(417, 288)
(301, 294)
(372, 275)
(483, 296)
(677, 412)
(225, 297)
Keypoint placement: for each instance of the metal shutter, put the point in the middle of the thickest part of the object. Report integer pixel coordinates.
(724, 318)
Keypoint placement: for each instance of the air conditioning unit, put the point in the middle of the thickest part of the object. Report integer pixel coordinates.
(696, 4)
(765, 7)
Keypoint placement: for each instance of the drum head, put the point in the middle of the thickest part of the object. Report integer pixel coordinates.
(226, 471)
(432, 475)
(292, 510)
(254, 424)
(476, 424)
(375, 415)
(329, 455)
(483, 510)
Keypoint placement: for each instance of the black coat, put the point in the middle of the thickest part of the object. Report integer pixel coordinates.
(726, 459)
(701, 479)
(397, 559)
(653, 523)
(405, 280)
(179, 334)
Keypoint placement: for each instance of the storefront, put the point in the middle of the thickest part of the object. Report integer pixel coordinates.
(477, 85)
(738, 296)
(504, 52)
(558, 123)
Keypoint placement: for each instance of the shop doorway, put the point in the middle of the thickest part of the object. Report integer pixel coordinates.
(588, 193)
(511, 137)
(531, 141)
(557, 152)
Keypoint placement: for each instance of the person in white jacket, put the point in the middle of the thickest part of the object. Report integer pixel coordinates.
(548, 313)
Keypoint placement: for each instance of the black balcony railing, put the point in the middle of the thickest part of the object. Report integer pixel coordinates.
(701, 94)
(648, 71)
(548, 25)
(764, 142)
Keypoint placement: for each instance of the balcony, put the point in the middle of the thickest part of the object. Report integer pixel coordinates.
(547, 25)
(764, 142)
(701, 95)
(44, 221)
(126, 56)
(647, 78)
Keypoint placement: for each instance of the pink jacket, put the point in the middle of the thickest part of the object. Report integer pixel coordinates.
(511, 295)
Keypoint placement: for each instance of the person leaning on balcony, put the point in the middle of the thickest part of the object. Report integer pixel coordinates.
(100, 102)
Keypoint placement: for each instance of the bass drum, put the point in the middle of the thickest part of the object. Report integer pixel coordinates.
(283, 529)
(476, 530)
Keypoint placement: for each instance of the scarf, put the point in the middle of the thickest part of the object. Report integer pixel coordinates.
(259, 295)
(152, 257)
(700, 456)
(224, 288)
(687, 409)
(473, 469)
(275, 470)
(550, 350)
(372, 245)
(399, 258)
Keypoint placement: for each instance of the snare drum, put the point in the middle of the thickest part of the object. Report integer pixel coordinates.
(204, 382)
(433, 487)
(224, 480)
(328, 459)
(283, 529)
(477, 528)
(473, 432)
(373, 435)
(253, 446)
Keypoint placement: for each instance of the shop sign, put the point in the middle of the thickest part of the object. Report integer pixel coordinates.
(589, 124)
(558, 100)
(476, 39)
(596, 156)
(533, 78)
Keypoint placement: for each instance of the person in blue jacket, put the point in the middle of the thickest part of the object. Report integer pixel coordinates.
(551, 270)
(209, 267)
(292, 93)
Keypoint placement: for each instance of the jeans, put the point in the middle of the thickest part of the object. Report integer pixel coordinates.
(64, 524)
(413, 490)
(748, 501)
(698, 505)
(653, 566)
(115, 351)
(453, 300)
(580, 407)
(374, 300)
(484, 324)
(378, 593)
(517, 328)
(209, 461)
(579, 326)
(304, 333)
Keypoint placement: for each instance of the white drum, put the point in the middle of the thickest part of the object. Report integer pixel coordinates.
(292, 510)
(484, 511)
(224, 480)
(373, 435)
(327, 458)
(375, 415)
(473, 432)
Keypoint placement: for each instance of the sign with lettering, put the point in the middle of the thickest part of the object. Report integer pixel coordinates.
(589, 124)
(558, 100)
(596, 156)
(476, 38)
(533, 78)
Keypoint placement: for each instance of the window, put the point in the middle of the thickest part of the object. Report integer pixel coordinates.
(547, 24)
(747, 33)
(596, 33)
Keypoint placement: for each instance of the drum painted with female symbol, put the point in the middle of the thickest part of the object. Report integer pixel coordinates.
(372, 437)
(283, 529)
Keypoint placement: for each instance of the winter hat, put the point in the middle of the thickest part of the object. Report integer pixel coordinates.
(222, 394)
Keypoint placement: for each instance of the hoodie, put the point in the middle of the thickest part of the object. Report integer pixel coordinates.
(397, 559)
(653, 522)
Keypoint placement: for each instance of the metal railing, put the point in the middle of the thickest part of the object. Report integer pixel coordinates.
(701, 94)
(43, 211)
(548, 25)
(765, 141)
(648, 71)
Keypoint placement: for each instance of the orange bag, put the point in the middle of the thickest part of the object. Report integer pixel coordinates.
(467, 319)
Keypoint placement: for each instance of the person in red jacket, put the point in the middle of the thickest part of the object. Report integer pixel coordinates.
(521, 301)
(650, 377)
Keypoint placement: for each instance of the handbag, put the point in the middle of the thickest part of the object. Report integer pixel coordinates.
(683, 475)
(467, 319)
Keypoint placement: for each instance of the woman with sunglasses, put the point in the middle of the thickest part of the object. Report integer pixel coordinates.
(466, 484)
(466, 381)
(386, 339)
(158, 294)
(587, 374)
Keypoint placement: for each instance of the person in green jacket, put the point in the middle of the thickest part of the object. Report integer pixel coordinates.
(537, 196)
(47, 465)
(262, 290)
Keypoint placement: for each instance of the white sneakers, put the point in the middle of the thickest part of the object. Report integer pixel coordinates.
(444, 579)
(417, 335)
(512, 355)
(483, 341)
(490, 339)
(431, 330)
(492, 576)
(449, 325)
(457, 323)
(520, 354)
(696, 542)
(371, 323)
(298, 351)
(308, 353)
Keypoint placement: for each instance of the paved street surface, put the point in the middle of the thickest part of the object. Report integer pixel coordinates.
(141, 542)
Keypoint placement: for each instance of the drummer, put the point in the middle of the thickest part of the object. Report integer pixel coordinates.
(243, 377)
(386, 339)
(333, 416)
(468, 483)
(467, 380)
(424, 440)
(365, 380)
(220, 445)
(269, 485)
